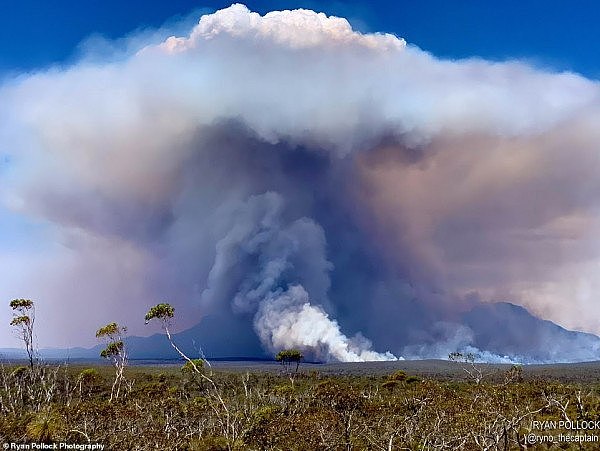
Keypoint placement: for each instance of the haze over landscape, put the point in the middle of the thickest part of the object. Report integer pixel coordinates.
(285, 180)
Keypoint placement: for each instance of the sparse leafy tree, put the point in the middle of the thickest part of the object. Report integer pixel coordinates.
(188, 367)
(289, 356)
(164, 313)
(115, 351)
(23, 320)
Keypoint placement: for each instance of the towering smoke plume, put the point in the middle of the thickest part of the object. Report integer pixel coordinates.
(322, 183)
(257, 263)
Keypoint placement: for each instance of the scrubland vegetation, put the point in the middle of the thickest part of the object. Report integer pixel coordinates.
(196, 407)
(175, 409)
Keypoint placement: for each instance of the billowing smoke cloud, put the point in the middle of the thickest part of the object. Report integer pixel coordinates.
(256, 263)
(323, 183)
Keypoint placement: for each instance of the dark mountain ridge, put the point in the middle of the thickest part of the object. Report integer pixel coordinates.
(500, 328)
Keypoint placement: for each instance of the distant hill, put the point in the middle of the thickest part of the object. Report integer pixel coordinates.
(213, 336)
(507, 329)
(501, 328)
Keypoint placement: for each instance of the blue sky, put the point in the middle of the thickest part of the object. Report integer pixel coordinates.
(562, 35)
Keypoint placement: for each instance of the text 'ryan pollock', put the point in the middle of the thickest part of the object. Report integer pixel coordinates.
(566, 424)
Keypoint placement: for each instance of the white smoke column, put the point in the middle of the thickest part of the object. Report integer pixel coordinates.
(457, 338)
(282, 256)
(288, 320)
